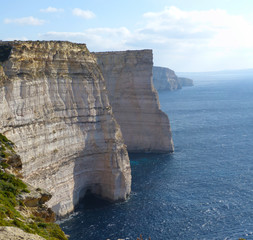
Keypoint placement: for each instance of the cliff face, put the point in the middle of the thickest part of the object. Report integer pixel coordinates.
(185, 82)
(54, 106)
(135, 104)
(165, 79)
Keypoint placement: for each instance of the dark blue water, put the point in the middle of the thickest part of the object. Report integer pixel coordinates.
(204, 190)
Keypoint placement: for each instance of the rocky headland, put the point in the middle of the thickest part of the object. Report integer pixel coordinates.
(185, 82)
(166, 79)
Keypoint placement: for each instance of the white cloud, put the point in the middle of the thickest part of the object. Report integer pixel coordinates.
(217, 26)
(52, 10)
(198, 40)
(25, 21)
(86, 14)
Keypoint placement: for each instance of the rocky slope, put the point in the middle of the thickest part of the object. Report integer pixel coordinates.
(166, 79)
(135, 104)
(54, 106)
(23, 213)
(14, 233)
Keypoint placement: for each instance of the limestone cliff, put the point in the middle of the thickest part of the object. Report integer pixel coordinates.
(185, 82)
(135, 104)
(54, 106)
(166, 79)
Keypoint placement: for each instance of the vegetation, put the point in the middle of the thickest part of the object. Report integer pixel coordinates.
(10, 187)
(6, 146)
(11, 209)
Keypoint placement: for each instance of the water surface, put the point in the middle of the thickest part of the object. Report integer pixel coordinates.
(204, 190)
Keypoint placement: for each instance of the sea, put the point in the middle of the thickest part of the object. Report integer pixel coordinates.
(204, 190)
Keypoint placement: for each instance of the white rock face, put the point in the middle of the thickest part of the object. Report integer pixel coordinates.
(54, 106)
(135, 104)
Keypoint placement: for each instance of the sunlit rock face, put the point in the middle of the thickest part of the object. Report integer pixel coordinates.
(134, 100)
(165, 79)
(54, 106)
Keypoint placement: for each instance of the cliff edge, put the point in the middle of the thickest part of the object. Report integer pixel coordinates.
(134, 100)
(54, 106)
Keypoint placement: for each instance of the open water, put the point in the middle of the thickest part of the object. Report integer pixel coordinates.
(204, 190)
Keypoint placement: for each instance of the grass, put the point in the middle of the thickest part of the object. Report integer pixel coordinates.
(6, 143)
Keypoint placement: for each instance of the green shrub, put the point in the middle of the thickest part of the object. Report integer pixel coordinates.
(10, 187)
(4, 165)
(6, 143)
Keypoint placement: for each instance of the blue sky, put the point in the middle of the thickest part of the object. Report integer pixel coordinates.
(185, 35)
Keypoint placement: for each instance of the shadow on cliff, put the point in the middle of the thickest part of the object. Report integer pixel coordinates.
(91, 201)
(87, 188)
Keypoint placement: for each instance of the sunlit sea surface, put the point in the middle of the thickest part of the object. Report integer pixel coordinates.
(204, 190)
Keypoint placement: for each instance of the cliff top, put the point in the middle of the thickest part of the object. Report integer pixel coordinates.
(163, 69)
(17, 42)
(124, 52)
(46, 50)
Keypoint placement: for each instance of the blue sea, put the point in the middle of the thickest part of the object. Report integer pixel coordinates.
(204, 190)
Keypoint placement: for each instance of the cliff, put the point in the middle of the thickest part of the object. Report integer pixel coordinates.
(135, 104)
(166, 79)
(185, 82)
(54, 106)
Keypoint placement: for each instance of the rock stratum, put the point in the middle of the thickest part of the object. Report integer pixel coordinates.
(166, 79)
(55, 108)
(134, 100)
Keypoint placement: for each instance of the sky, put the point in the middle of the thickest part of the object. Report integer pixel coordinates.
(185, 35)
